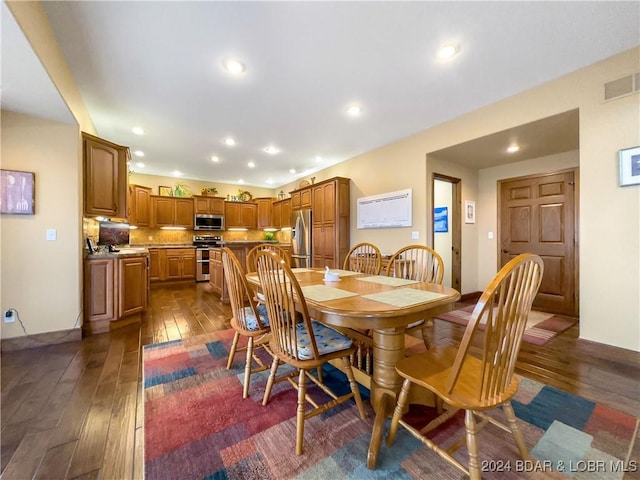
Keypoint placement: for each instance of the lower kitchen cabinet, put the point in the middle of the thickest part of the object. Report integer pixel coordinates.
(116, 291)
(172, 264)
(216, 274)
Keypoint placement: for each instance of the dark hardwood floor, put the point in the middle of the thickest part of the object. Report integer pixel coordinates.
(74, 410)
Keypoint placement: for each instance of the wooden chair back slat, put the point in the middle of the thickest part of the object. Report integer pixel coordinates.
(252, 255)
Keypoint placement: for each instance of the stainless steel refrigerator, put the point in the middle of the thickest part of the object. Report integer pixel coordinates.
(301, 238)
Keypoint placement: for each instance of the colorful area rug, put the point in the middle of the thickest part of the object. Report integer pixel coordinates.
(198, 426)
(541, 327)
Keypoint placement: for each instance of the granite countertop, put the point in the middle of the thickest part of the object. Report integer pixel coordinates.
(166, 245)
(123, 252)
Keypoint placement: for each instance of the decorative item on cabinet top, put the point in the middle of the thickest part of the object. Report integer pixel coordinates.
(181, 189)
(241, 196)
(208, 191)
(165, 191)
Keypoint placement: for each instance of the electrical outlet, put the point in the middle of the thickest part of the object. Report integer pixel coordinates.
(8, 316)
(415, 235)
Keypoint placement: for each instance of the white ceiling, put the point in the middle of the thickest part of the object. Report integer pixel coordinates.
(159, 65)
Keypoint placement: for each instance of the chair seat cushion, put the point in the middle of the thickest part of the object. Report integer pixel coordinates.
(252, 323)
(327, 339)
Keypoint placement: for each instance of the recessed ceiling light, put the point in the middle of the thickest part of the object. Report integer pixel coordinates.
(241, 181)
(233, 66)
(354, 110)
(177, 173)
(139, 153)
(292, 170)
(215, 159)
(318, 158)
(448, 51)
(269, 181)
(140, 165)
(271, 150)
(138, 130)
(230, 142)
(251, 165)
(513, 149)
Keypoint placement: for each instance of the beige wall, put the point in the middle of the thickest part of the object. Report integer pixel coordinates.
(39, 278)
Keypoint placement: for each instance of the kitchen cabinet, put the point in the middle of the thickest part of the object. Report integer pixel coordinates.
(216, 274)
(180, 264)
(172, 264)
(133, 285)
(116, 291)
(139, 208)
(240, 215)
(208, 205)
(282, 213)
(105, 177)
(264, 207)
(330, 220)
(301, 198)
(171, 211)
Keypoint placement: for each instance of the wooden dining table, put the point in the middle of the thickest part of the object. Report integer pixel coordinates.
(383, 305)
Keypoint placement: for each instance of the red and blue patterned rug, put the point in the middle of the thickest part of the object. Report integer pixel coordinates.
(198, 426)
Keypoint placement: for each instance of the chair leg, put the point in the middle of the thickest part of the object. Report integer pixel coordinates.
(515, 430)
(302, 393)
(472, 445)
(425, 335)
(272, 376)
(247, 368)
(401, 408)
(232, 352)
(354, 386)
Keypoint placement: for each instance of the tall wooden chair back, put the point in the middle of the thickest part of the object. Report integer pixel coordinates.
(294, 342)
(249, 320)
(252, 254)
(464, 381)
(416, 262)
(364, 258)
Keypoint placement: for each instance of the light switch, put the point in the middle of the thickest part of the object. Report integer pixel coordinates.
(415, 235)
(490, 235)
(52, 234)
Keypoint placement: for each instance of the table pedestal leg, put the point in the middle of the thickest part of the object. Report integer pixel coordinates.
(388, 348)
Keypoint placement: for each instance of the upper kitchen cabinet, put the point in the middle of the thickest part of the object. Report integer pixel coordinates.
(240, 214)
(208, 205)
(282, 213)
(105, 177)
(301, 198)
(265, 212)
(139, 211)
(171, 211)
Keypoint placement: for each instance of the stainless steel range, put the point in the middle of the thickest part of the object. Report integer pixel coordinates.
(203, 243)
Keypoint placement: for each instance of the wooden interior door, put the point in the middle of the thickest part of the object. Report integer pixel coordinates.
(538, 215)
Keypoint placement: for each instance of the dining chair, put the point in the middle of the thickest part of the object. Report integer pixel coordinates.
(422, 263)
(252, 254)
(476, 384)
(364, 258)
(251, 262)
(303, 344)
(249, 319)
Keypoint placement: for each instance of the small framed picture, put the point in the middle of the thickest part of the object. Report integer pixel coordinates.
(629, 166)
(17, 192)
(165, 191)
(469, 211)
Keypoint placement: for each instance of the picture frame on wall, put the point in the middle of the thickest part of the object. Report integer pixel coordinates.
(165, 191)
(17, 192)
(629, 166)
(469, 211)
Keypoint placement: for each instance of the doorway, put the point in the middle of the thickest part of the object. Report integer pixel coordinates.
(538, 214)
(446, 231)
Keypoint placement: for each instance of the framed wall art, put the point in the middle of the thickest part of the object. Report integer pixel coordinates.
(17, 192)
(469, 211)
(165, 191)
(629, 166)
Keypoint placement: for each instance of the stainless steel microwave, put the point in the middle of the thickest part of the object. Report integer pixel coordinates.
(203, 221)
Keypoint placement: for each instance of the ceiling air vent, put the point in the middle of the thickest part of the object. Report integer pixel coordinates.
(622, 86)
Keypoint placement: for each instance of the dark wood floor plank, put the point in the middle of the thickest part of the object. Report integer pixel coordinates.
(38, 397)
(89, 452)
(26, 459)
(120, 447)
(55, 463)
